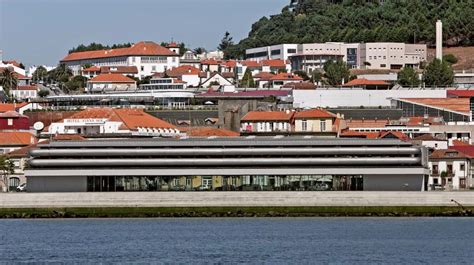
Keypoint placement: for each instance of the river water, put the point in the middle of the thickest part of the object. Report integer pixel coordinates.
(235, 241)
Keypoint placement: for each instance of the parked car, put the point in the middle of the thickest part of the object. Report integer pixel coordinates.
(21, 188)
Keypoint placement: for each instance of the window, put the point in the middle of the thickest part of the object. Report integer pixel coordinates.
(304, 125)
(462, 167)
(383, 65)
(10, 122)
(153, 68)
(13, 183)
(291, 51)
(434, 169)
(142, 68)
(276, 52)
(323, 125)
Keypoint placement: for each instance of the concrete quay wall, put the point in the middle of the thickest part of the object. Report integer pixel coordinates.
(234, 199)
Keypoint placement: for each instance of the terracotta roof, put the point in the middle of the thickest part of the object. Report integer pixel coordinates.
(119, 69)
(251, 64)
(183, 70)
(460, 93)
(450, 104)
(356, 134)
(210, 62)
(208, 131)
(4, 107)
(22, 152)
(466, 149)
(314, 114)
(426, 137)
(274, 63)
(286, 77)
(460, 143)
(17, 75)
(141, 48)
(17, 139)
(34, 88)
(448, 154)
(366, 82)
(112, 78)
(229, 64)
(264, 75)
(172, 45)
(421, 121)
(131, 118)
(12, 62)
(268, 116)
(12, 114)
(399, 135)
(92, 69)
(300, 86)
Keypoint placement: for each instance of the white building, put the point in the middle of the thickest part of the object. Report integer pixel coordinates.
(450, 170)
(147, 56)
(280, 52)
(25, 92)
(312, 56)
(101, 121)
(110, 83)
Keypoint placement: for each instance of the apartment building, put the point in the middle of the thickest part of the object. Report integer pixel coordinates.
(450, 170)
(147, 56)
(276, 52)
(388, 55)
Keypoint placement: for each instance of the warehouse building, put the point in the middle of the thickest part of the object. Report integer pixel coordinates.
(232, 164)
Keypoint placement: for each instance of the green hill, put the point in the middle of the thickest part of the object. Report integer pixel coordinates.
(406, 21)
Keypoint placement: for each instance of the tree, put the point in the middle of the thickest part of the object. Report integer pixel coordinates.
(199, 50)
(336, 72)
(302, 74)
(22, 66)
(8, 81)
(40, 74)
(43, 93)
(6, 168)
(408, 77)
(76, 83)
(316, 76)
(450, 58)
(60, 74)
(226, 42)
(247, 79)
(438, 73)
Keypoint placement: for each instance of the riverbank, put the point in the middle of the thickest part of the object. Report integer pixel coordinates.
(205, 212)
(235, 204)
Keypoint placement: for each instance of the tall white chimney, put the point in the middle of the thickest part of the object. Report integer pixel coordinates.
(439, 40)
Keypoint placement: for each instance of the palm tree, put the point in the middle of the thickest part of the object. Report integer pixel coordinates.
(8, 81)
(6, 168)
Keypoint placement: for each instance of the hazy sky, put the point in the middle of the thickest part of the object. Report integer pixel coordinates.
(42, 31)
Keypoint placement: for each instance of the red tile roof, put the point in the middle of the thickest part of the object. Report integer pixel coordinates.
(183, 70)
(420, 121)
(208, 131)
(12, 62)
(460, 93)
(12, 114)
(450, 104)
(314, 114)
(17, 139)
(210, 62)
(366, 82)
(142, 48)
(172, 45)
(264, 76)
(119, 69)
(228, 75)
(111, 78)
(268, 116)
(460, 143)
(229, 64)
(274, 63)
(92, 69)
(467, 149)
(286, 77)
(131, 118)
(449, 154)
(251, 64)
(300, 86)
(4, 107)
(399, 135)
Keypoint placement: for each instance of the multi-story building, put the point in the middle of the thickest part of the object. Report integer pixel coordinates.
(147, 56)
(312, 56)
(280, 52)
(266, 122)
(111, 83)
(450, 169)
(316, 121)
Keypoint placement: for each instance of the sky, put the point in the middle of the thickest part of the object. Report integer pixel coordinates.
(39, 32)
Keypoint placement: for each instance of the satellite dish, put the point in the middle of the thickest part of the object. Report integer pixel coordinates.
(38, 126)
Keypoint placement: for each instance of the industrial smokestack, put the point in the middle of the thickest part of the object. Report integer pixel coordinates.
(439, 40)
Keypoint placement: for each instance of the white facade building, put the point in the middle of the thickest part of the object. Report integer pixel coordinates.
(147, 56)
(449, 170)
(390, 55)
(279, 52)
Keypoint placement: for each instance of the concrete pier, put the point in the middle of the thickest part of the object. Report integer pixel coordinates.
(235, 199)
